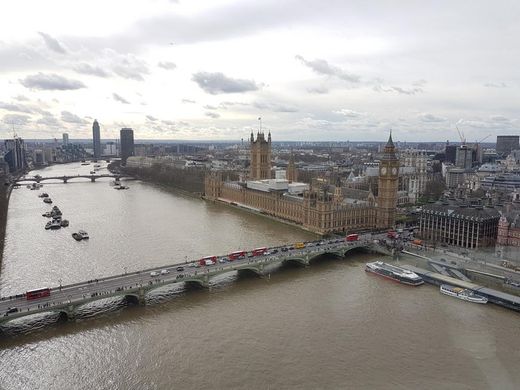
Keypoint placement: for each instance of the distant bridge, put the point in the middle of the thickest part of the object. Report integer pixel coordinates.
(66, 178)
(133, 287)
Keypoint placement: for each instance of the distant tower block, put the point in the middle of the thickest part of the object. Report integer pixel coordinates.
(96, 136)
(260, 157)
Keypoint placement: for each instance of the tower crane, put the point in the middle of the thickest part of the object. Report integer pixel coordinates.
(461, 136)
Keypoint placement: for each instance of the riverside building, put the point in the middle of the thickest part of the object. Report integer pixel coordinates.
(321, 207)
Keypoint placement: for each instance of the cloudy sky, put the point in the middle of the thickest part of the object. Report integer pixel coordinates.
(313, 70)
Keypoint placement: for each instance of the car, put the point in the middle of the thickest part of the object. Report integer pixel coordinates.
(284, 249)
(11, 310)
(192, 265)
(154, 273)
(179, 269)
(222, 260)
(443, 259)
(453, 262)
(164, 272)
(274, 251)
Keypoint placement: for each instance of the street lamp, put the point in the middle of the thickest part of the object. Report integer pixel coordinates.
(125, 269)
(59, 280)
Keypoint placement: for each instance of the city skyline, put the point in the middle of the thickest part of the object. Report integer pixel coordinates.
(208, 70)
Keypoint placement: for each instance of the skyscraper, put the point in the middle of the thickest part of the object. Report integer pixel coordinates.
(97, 139)
(127, 144)
(15, 154)
(65, 138)
(507, 143)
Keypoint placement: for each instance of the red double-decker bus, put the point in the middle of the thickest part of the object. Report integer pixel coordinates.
(38, 293)
(208, 260)
(259, 251)
(352, 237)
(237, 255)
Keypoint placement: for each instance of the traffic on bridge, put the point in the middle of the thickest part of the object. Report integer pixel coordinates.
(134, 285)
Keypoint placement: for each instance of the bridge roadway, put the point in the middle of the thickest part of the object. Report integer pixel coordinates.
(133, 286)
(66, 178)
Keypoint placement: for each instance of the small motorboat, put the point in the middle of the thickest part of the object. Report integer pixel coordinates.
(48, 214)
(64, 222)
(83, 234)
(43, 195)
(77, 236)
(47, 200)
(48, 225)
(56, 224)
(92, 172)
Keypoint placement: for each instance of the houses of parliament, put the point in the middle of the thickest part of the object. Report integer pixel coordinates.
(322, 207)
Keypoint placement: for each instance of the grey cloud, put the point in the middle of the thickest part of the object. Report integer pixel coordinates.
(431, 118)
(227, 104)
(400, 90)
(216, 83)
(48, 120)
(15, 107)
(213, 115)
(132, 68)
(52, 43)
(276, 107)
(318, 90)
(209, 107)
(151, 118)
(69, 117)
(419, 83)
(85, 68)
(120, 99)
(499, 118)
(16, 119)
(495, 85)
(323, 67)
(21, 98)
(350, 113)
(167, 65)
(173, 123)
(51, 82)
(188, 101)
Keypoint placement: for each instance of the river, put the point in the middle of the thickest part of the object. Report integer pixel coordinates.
(327, 326)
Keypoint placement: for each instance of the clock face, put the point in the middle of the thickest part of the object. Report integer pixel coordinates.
(383, 171)
(394, 171)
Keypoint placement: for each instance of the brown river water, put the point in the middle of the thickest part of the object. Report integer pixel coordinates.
(327, 326)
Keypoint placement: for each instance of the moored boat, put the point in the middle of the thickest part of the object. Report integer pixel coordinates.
(84, 235)
(77, 236)
(64, 223)
(47, 200)
(462, 293)
(395, 273)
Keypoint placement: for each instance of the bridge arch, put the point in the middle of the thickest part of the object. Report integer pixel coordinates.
(250, 270)
(296, 260)
(131, 299)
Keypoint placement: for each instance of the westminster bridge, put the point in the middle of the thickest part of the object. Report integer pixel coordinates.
(133, 287)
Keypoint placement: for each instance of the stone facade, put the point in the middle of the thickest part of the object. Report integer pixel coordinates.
(260, 168)
(324, 208)
(509, 230)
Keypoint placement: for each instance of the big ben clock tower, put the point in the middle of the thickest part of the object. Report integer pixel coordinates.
(388, 183)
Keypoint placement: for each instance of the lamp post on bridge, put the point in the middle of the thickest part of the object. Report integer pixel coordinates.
(59, 280)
